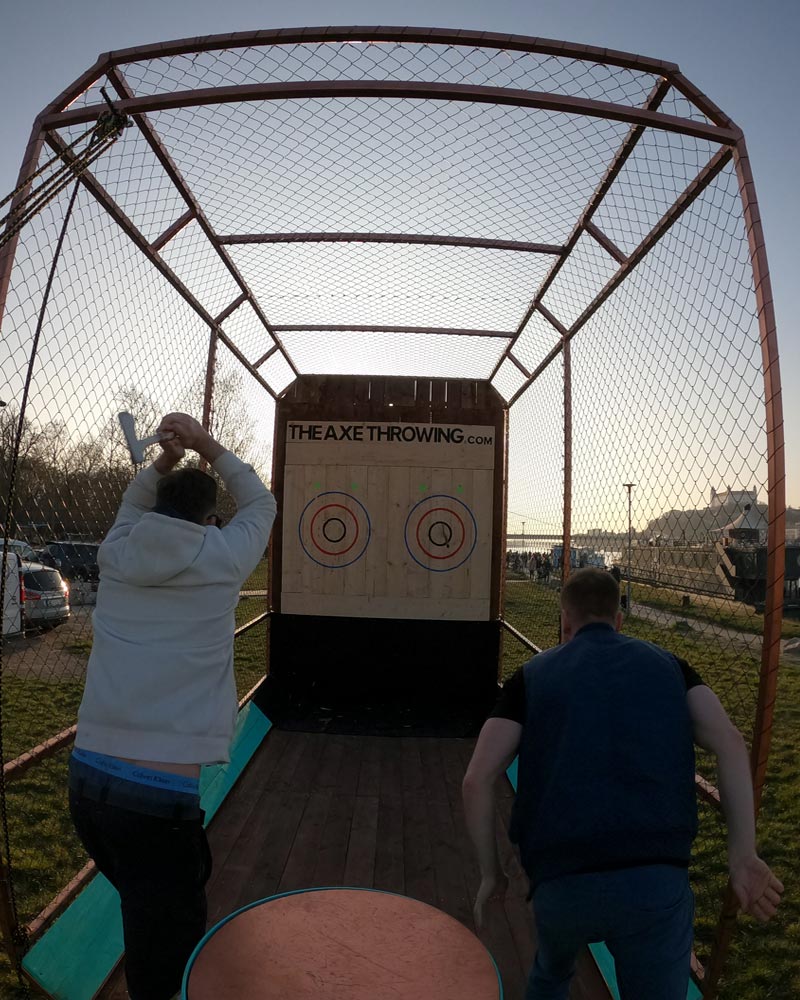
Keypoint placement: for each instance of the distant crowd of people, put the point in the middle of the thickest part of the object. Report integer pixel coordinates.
(538, 565)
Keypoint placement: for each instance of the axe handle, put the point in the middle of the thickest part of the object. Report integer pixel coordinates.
(154, 438)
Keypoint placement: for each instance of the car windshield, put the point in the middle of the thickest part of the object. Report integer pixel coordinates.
(73, 550)
(25, 550)
(42, 579)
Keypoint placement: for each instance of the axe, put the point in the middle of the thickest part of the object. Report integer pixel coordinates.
(136, 446)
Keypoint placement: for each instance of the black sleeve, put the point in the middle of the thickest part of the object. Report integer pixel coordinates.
(690, 675)
(510, 702)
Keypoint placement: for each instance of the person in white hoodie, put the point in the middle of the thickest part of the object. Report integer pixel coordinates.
(160, 695)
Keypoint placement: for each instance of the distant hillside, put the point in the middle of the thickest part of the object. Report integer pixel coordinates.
(695, 525)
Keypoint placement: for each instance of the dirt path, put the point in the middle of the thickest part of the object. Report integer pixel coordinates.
(668, 619)
(60, 654)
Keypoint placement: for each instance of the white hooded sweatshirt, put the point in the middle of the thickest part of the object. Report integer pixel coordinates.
(160, 683)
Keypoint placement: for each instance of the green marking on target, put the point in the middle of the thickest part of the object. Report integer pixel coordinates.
(459, 489)
(317, 486)
(422, 487)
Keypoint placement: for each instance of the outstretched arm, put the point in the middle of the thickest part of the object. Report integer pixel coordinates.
(757, 889)
(496, 747)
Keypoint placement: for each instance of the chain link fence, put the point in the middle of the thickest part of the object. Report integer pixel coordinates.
(577, 227)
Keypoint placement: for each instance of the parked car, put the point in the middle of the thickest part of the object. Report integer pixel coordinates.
(13, 611)
(46, 596)
(26, 552)
(74, 560)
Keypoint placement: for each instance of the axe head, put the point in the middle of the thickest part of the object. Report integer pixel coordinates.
(128, 426)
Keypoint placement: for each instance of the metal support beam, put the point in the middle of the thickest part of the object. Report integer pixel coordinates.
(8, 251)
(19, 765)
(513, 359)
(170, 167)
(776, 538)
(566, 552)
(391, 33)
(265, 357)
(444, 241)
(654, 99)
(90, 182)
(394, 90)
(608, 245)
(231, 308)
(557, 325)
(353, 328)
(706, 176)
(161, 241)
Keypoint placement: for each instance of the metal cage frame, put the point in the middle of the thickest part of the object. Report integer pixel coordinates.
(711, 124)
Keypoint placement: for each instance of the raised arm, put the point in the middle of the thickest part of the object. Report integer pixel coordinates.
(140, 496)
(248, 532)
(757, 889)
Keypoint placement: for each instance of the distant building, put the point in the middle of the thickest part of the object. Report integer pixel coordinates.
(732, 498)
(750, 526)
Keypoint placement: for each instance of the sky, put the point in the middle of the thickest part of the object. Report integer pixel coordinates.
(742, 54)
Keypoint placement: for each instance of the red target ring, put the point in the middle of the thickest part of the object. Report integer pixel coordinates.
(328, 552)
(443, 549)
(449, 554)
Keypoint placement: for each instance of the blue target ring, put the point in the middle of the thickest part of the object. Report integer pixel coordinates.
(458, 512)
(314, 556)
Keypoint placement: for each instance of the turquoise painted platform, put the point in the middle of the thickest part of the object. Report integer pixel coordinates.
(75, 957)
(600, 953)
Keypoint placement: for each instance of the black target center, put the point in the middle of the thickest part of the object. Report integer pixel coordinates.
(334, 530)
(440, 534)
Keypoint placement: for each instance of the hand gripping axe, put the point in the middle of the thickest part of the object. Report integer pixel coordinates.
(136, 446)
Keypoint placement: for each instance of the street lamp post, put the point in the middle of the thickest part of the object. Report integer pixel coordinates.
(629, 488)
(523, 536)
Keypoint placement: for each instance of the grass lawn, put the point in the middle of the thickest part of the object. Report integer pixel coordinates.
(764, 963)
(44, 849)
(719, 610)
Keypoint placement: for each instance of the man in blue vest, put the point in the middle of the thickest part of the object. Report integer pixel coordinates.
(605, 811)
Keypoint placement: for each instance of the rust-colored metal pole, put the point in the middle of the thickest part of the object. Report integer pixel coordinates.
(776, 537)
(162, 154)
(391, 33)
(653, 102)
(395, 90)
(567, 539)
(776, 473)
(208, 391)
(707, 175)
(423, 239)
(8, 252)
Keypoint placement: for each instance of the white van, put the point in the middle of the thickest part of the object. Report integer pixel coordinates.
(14, 598)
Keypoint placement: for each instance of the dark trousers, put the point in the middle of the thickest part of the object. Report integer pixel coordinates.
(644, 915)
(160, 867)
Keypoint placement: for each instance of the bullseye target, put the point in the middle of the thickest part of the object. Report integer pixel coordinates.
(334, 529)
(440, 533)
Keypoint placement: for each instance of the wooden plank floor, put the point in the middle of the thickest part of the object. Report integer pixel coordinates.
(379, 812)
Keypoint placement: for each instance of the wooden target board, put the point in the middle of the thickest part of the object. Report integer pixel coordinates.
(388, 519)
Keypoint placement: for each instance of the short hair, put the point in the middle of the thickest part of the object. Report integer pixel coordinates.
(189, 492)
(591, 593)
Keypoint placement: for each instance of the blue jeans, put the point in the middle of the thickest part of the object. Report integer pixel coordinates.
(152, 848)
(644, 915)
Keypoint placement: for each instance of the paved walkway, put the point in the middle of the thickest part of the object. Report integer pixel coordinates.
(670, 619)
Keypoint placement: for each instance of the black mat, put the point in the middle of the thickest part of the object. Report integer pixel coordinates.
(369, 717)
